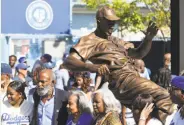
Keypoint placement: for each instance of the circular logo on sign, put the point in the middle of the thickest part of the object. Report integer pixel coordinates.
(39, 15)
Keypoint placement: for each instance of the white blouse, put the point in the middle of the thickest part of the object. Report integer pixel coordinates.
(154, 121)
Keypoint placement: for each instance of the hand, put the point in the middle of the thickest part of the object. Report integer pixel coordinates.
(151, 30)
(103, 69)
(100, 69)
(147, 110)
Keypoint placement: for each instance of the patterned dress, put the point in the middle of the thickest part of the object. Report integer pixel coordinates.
(111, 118)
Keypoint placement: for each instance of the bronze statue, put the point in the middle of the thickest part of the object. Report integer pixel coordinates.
(112, 59)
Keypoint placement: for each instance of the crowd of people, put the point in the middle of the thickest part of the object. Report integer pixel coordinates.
(44, 96)
(122, 93)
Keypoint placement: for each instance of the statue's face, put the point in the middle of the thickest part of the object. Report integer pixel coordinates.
(106, 26)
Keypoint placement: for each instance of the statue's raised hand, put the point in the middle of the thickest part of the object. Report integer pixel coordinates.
(151, 30)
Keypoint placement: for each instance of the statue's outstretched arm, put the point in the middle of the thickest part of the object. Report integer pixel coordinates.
(75, 63)
(145, 46)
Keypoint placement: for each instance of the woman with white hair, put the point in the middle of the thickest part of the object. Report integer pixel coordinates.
(80, 109)
(106, 107)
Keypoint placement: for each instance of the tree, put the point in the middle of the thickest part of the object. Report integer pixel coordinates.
(131, 18)
(159, 11)
(95, 3)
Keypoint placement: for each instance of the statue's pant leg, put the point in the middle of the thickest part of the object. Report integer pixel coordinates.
(129, 85)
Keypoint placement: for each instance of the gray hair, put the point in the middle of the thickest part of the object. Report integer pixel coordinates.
(111, 103)
(83, 103)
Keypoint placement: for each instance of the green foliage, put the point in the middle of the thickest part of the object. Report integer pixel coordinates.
(160, 10)
(131, 18)
(95, 3)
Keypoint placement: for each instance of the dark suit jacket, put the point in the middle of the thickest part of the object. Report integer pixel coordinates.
(60, 110)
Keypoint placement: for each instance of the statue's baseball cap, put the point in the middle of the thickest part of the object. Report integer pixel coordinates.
(107, 13)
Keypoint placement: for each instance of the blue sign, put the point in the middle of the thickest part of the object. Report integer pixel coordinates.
(35, 16)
